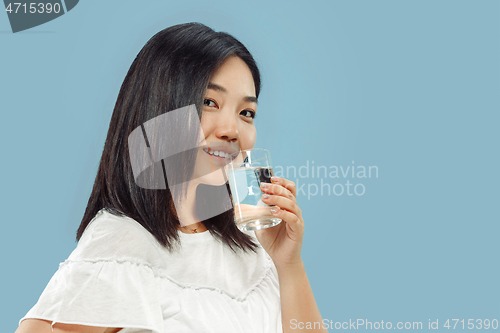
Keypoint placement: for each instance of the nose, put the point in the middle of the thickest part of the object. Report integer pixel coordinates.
(227, 129)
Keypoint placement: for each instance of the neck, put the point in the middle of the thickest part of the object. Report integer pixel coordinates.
(186, 212)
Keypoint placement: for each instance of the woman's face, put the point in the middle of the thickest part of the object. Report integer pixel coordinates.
(227, 119)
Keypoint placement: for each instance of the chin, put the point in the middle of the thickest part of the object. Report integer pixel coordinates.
(215, 178)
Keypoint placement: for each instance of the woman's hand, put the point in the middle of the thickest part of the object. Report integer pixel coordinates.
(283, 242)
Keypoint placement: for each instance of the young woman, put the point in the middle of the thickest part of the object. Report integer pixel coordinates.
(145, 260)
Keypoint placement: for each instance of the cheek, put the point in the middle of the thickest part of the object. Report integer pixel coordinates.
(206, 126)
(248, 138)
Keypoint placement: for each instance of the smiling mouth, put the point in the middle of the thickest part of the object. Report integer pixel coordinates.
(217, 154)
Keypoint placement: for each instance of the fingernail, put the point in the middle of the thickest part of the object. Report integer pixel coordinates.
(274, 179)
(265, 185)
(265, 196)
(274, 210)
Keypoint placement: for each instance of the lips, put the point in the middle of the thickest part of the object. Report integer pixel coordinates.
(219, 152)
(217, 156)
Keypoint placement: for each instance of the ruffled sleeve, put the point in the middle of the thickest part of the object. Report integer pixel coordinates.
(107, 281)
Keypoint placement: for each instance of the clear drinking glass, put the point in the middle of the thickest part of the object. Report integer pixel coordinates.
(246, 170)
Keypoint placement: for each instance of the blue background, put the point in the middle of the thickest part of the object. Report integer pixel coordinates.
(411, 87)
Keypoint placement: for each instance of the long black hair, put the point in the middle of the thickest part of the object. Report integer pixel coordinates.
(171, 71)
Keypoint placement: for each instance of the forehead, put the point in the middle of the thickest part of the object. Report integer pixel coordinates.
(235, 76)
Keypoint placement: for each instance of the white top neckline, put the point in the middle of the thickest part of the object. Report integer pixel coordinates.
(120, 276)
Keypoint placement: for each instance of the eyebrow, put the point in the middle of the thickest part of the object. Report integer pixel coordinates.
(216, 87)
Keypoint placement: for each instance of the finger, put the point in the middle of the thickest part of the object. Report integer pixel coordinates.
(294, 223)
(283, 203)
(288, 184)
(277, 190)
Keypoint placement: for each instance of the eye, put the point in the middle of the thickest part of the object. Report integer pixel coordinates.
(248, 113)
(209, 102)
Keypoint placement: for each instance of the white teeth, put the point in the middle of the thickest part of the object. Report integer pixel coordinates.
(218, 153)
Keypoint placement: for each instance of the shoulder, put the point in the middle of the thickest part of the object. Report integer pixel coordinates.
(109, 280)
(111, 237)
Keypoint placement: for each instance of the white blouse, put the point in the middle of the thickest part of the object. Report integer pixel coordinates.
(120, 276)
